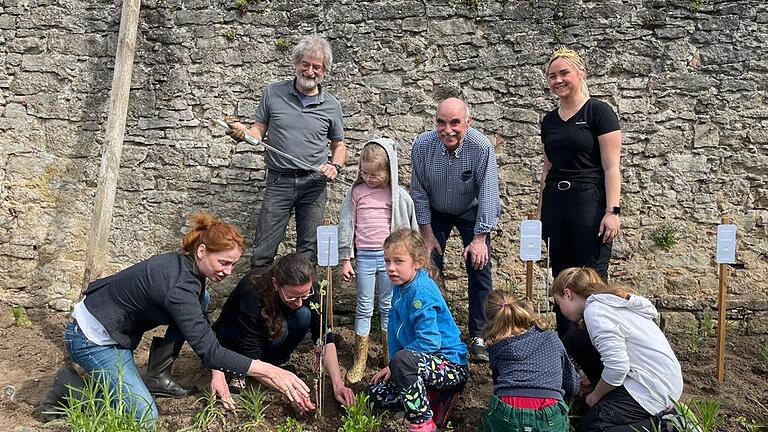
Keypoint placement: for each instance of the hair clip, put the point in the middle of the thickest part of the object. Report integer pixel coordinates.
(564, 52)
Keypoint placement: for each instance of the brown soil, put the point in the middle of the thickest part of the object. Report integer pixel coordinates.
(30, 356)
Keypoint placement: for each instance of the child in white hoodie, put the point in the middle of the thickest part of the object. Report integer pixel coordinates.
(641, 375)
(373, 208)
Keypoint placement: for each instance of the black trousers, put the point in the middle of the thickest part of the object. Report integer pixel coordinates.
(570, 223)
(617, 411)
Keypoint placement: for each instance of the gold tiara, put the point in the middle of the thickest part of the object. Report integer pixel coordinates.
(564, 52)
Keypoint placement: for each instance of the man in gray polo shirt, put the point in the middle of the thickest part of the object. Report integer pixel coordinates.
(298, 117)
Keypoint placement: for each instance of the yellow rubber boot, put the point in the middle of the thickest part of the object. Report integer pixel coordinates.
(355, 373)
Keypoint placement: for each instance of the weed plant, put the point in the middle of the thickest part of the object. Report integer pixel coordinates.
(764, 353)
(706, 324)
(359, 416)
(101, 407)
(20, 318)
(251, 404)
(666, 236)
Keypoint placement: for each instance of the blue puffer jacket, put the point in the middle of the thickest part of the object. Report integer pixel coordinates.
(420, 321)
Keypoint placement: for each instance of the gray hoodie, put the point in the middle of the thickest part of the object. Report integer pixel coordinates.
(633, 349)
(403, 213)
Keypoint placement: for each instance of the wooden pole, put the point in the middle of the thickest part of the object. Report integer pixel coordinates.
(529, 275)
(96, 250)
(721, 309)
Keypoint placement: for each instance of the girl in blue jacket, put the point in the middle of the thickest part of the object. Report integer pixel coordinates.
(425, 351)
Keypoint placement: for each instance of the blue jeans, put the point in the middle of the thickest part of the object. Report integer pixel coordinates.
(301, 192)
(295, 326)
(370, 264)
(480, 281)
(109, 364)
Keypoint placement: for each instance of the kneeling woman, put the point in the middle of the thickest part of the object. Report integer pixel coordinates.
(267, 315)
(167, 289)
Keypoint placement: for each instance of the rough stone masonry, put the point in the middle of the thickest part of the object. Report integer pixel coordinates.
(687, 77)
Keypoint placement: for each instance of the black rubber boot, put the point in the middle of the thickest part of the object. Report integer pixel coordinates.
(158, 379)
(67, 380)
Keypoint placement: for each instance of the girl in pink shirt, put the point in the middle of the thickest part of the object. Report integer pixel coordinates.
(372, 208)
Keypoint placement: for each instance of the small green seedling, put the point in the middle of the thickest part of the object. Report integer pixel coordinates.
(359, 416)
(694, 338)
(666, 236)
(291, 425)
(251, 404)
(230, 35)
(706, 324)
(103, 407)
(20, 318)
(210, 413)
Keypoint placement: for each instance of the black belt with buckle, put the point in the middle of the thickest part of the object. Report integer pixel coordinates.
(294, 172)
(565, 185)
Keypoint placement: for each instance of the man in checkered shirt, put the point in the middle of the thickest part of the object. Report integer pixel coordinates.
(454, 183)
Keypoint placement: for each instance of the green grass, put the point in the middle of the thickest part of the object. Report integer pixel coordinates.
(101, 407)
(359, 417)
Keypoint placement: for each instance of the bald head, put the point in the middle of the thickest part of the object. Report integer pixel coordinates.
(452, 120)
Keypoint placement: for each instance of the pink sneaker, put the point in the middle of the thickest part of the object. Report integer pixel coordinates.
(441, 405)
(427, 426)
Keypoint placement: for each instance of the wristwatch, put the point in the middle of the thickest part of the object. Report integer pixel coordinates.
(338, 167)
(615, 210)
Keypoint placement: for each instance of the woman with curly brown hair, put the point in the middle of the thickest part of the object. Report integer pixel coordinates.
(267, 315)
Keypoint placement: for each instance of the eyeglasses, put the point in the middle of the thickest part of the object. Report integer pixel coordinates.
(305, 65)
(292, 299)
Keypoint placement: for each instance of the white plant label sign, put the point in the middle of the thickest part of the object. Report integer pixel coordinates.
(726, 244)
(530, 240)
(327, 245)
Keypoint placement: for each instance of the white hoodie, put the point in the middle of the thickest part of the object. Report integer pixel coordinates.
(633, 349)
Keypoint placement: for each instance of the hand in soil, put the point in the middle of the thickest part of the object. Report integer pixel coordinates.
(344, 394)
(220, 388)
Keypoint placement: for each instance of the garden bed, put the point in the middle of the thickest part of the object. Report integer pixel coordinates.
(29, 356)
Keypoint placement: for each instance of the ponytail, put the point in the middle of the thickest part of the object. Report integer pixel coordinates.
(216, 235)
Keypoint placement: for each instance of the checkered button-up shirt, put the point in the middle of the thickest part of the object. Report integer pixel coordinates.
(453, 183)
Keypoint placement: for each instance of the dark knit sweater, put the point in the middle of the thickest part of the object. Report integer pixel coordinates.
(532, 364)
(161, 290)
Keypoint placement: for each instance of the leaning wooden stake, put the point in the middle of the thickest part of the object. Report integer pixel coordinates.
(722, 300)
(96, 249)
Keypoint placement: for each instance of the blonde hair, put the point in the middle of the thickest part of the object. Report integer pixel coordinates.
(413, 242)
(584, 281)
(507, 316)
(216, 235)
(575, 61)
(376, 154)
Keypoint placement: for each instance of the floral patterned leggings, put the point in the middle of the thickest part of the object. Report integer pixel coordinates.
(412, 374)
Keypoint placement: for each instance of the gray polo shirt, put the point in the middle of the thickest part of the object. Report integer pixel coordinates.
(302, 132)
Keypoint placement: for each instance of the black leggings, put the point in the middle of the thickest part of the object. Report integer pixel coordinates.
(617, 411)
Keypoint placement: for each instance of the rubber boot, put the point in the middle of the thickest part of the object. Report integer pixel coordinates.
(355, 373)
(67, 380)
(162, 354)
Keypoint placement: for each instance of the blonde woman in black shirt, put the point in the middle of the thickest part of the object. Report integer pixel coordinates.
(580, 186)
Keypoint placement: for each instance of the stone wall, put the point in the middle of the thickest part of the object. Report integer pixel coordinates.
(687, 77)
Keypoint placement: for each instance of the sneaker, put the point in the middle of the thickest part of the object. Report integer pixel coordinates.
(478, 353)
(427, 426)
(441, 405)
